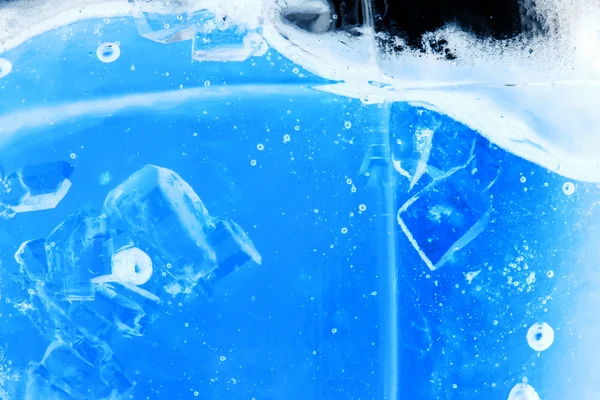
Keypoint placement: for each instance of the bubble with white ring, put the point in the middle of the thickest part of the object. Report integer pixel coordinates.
(540, 336)
(131, 265)
(5, 67)
(108, 52)
(522, 391)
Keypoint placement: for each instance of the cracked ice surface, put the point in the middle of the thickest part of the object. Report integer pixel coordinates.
(451, 205)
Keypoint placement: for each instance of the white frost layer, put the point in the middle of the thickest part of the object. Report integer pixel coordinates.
(550, 117)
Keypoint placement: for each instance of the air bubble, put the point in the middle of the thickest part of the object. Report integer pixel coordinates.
(362, 207)
(222, 358)
(523, 179)
(568, 188)
(347, 124)
(334, 331)
(206, 83)
(344, 230)
(132, 265)
(540, 336)
(253, 162)
(349, 181)
(73, 156)
(297, 127)
(108, 52)
(5, 67)
(260, 146)
(132, 67)
(295, 70)
(550, 274)
(286, 138)
(522, 391)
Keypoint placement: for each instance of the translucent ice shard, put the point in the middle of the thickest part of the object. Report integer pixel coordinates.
(35, 187)
(449, 213)
(79, 249)
(161, 210)
(233, 248)
(84, 369)
(221, 41)
(31, 256)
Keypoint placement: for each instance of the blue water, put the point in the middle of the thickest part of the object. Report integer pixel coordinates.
(342, 305)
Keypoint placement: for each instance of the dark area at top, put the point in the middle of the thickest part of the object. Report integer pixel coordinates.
(411, 19)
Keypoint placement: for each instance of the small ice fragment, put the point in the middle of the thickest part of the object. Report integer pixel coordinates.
(5, 67)
(35, 187)
(161, 210)
(105, 178)
(540, 336)
(220, 41)
(233, 248)
(522, 391)
(108, 52)
(79, 249)
(132, 265)
(469, 276)
(31, 255)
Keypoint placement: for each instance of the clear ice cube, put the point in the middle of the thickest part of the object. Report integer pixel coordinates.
(217, 41)
(31, 256)
(34, 188)
(78, 250)
(160, 210)
(444, 217)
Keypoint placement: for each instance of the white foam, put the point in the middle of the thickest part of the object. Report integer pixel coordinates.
(5, 67)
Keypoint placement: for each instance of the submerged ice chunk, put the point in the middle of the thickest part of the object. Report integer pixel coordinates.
(233, 248)
(31, 256)
(161, 210)
(78, 250)
(444, 217)
(169, 28)
(84, 369)
(216, 41)
(35, 187)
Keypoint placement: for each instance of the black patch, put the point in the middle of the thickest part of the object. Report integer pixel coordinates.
(412, 20)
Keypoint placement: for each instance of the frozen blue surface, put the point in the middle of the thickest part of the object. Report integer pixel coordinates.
(303, 245)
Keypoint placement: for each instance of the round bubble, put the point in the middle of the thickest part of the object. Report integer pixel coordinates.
(5, 67)
(568, 188)
(132, 265)
(540, 336)
(523, 391)
(108, 52)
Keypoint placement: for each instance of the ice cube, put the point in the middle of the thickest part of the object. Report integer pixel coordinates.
(160, 210)
(169, 28)
(78, 250)
(35, 187)
(233, 248)
(444, 217)
(132, 309)
(218, 41)
(31, 255)
(84, 369)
